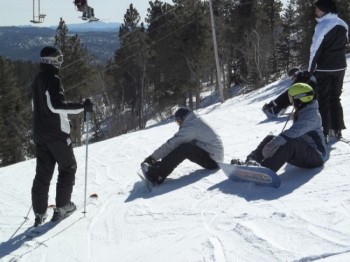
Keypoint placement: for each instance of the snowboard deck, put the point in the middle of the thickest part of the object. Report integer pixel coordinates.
(255, 174)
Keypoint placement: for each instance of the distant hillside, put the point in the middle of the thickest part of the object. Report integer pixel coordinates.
(24, 43)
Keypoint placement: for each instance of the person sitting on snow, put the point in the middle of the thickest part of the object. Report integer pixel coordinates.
(302, 144)
(277, 106)
(195, 141)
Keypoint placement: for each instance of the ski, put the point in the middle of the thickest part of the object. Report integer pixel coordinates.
(347, 141)
(46, 226)
(33, 232)
(333, 140)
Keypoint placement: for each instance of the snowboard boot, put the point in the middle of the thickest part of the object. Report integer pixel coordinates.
(237, 162)
(271, 110)
(252, 162)
(39, 219)
(248, 162)
(145, 170)
(151, 175)
(62, 212)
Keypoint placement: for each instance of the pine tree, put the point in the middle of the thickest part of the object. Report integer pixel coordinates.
(130, 66)
(272, 10)
(78, 75)
(306, 24)
(11, 132)
(181, 34)
(162, 77)
(290, 40)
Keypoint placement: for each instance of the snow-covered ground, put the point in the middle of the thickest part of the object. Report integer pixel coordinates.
(196, 215)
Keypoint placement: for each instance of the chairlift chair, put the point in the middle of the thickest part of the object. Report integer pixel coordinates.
(39, 18)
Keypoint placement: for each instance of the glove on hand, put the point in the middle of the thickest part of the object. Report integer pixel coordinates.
(271, 147)
(305, 77)
(88, 105)
(150, 160)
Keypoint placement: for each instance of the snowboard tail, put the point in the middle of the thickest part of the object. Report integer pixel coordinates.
(255, 174)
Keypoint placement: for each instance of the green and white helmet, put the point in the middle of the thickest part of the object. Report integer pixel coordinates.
(301, 94)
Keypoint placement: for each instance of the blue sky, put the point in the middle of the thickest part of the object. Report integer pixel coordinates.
(20, 12)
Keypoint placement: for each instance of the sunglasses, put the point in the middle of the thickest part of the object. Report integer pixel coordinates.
(52, 59)
(292, 98)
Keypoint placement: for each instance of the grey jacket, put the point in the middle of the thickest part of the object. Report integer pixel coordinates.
(194, 130)
(308, 127)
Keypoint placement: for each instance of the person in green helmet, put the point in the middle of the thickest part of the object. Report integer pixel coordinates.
(302, 145)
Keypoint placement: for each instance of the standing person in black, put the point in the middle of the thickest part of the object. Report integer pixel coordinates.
(51, 130)
(328, 64)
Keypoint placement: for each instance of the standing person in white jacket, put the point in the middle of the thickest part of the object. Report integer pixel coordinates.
(195, 141)
(328, 64)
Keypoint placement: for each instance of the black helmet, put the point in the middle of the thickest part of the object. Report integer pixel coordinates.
(52, 56)
(181, 114)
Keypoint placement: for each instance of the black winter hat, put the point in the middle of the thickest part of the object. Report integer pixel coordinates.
(327, 6)
(50, 51)
(181, 113)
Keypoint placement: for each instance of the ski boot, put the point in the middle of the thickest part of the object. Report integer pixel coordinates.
(39, 219)
(62, 212)
(271, 110)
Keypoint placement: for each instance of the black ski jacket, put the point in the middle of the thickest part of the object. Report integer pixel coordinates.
(327, 51)
(50, 108)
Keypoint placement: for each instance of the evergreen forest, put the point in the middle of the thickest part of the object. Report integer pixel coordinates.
(167, 60)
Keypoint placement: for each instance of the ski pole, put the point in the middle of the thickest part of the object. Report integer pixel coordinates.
(87, 119)
(291, 113)
(25, 219)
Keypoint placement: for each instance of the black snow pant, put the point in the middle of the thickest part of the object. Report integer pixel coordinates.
(47, 155)
(329, 89)
(188, 151)
(282, 101)
(295, 152)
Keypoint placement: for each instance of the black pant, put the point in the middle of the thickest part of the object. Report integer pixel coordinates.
(282, 100)
(295, 152)
(329, 89)
(174, 158)
(47, 155)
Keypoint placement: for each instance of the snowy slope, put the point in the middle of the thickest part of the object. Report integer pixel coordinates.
(196, 215)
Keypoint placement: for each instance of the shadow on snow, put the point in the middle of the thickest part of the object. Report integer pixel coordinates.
(140, 190)
(292, 178)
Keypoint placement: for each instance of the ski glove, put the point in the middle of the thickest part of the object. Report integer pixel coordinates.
(150, 160)
(88, 105)
(271, 147)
